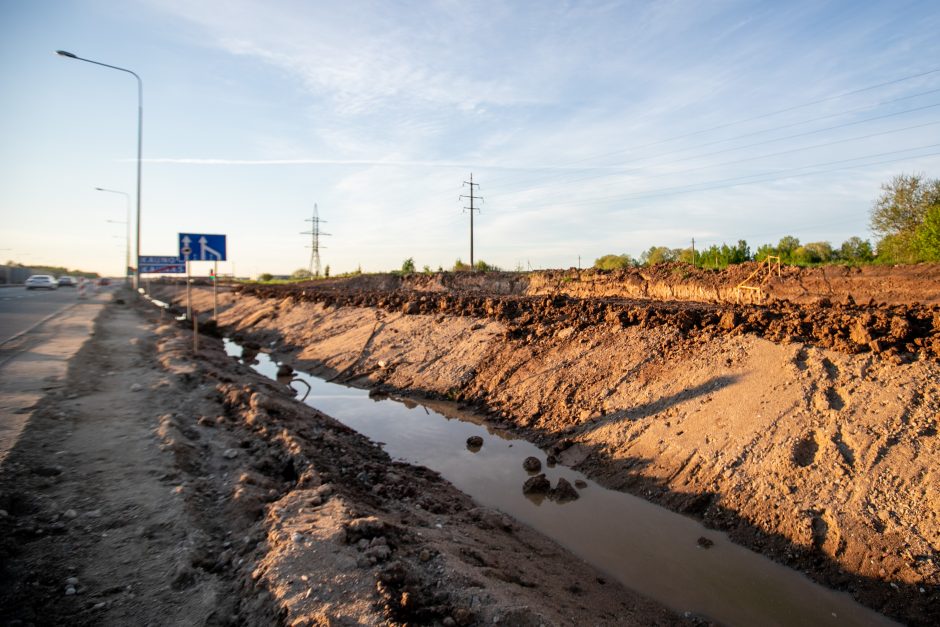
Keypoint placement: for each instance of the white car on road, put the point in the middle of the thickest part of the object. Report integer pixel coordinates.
(42, 281)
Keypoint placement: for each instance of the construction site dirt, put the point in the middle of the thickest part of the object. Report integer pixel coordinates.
(805, 425)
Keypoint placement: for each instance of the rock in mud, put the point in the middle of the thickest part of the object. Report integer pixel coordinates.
(539, 484)
(532, 464)
(284, 370)
(474, 442)
(704, 542)
(564, 492)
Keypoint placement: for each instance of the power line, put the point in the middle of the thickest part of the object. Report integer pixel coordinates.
(471, 208)
(721, 183)
(763, 156)
(751, 145)
(315, 233)
(750, 119)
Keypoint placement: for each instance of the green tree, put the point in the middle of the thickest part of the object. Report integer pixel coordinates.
(821, 252)
(301, 273)
(408, 266)
(898, 216)
(764, 251)
(856, 250)
(265, 276)
(928, 235)
(326, 271)
(656, 255)
(613, 262)
(786, 246)
(903, 204)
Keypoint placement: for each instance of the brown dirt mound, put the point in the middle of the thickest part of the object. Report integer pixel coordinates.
(901, 333)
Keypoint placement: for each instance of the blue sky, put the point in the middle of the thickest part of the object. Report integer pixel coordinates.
(592, 127)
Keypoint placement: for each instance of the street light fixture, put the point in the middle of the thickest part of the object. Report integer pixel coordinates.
(127, 260)
(140, 135)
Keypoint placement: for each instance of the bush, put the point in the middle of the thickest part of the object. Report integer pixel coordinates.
(408, 266)
(614, 262)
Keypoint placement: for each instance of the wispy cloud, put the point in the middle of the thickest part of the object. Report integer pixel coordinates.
(540, 99)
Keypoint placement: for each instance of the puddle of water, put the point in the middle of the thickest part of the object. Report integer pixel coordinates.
(645, 547)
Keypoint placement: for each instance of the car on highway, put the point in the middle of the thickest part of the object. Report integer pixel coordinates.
(42, 282)
(67, 281)
(104, 281)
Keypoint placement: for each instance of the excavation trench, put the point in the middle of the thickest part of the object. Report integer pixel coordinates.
(647, 548)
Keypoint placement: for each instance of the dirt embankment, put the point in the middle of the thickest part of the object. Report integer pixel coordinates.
(161, 489)
(888, 285)
(810, 433)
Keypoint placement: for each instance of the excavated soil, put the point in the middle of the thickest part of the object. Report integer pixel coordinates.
(157, 487)
(807, 430)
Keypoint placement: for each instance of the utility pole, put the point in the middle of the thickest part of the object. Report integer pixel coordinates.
(471, 208)
(693, 252)
(314, 233)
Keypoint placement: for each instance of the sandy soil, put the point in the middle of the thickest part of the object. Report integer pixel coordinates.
(808, 432)
(159, 488)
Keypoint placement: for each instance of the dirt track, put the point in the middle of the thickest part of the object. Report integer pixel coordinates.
(809, 431)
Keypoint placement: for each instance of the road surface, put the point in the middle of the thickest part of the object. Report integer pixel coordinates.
(20, 308)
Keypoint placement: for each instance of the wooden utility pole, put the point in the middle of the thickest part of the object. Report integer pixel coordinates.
(471, 208)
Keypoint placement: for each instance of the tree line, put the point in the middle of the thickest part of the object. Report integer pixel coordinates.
(905, 218)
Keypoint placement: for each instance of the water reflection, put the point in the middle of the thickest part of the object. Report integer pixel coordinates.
(645, 547)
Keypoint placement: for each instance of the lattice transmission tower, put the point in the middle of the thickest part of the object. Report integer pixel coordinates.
(315, 234)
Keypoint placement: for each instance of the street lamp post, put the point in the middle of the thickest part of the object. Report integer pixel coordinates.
(140, 135)
(127, 259)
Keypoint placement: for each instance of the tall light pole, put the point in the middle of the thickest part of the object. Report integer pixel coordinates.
(140, 135)
(127, 259)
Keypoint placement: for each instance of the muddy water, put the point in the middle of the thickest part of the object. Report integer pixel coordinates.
(643, 546)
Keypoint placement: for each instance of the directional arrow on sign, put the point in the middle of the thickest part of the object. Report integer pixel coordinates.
(204, 248)
(210, 247)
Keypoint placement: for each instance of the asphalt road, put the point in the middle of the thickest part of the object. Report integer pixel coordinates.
(21, 308)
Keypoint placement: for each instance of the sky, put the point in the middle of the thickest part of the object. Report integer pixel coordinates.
(591, 127)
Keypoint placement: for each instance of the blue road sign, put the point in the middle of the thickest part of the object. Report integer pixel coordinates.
(150, 264)
(202, 247)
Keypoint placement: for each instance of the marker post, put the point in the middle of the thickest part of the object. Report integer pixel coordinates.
(215, 292)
